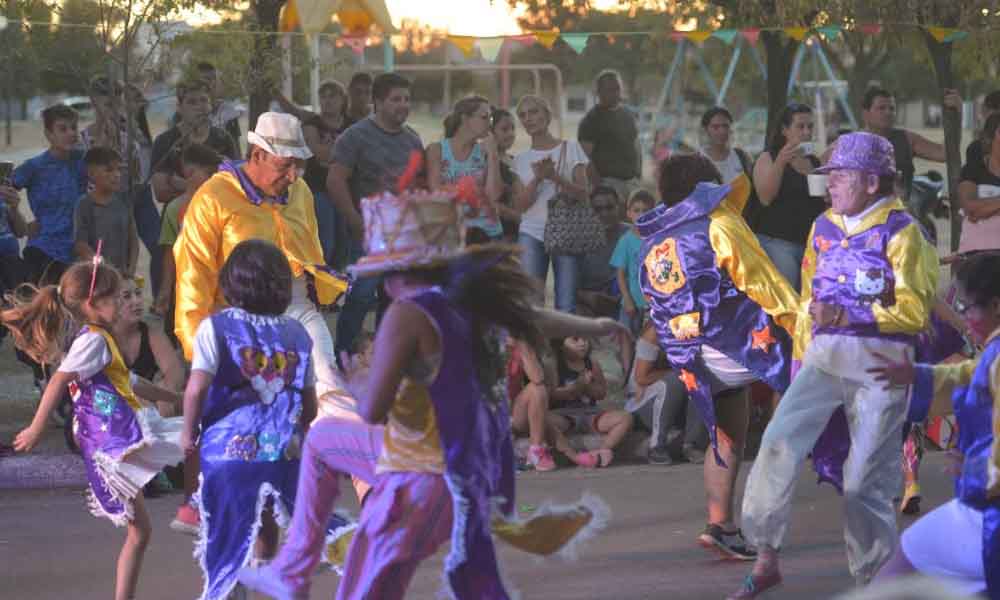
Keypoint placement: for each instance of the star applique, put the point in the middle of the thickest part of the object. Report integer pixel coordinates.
(688, 378)
(823, 243)
(104, 426)
(762, 339)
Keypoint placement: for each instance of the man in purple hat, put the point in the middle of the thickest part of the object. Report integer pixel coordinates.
(869, 280)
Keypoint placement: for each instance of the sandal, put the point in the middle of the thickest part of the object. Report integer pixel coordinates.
(755, 585)
(605, 456)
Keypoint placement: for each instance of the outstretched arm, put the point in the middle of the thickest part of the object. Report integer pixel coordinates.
(28, 437)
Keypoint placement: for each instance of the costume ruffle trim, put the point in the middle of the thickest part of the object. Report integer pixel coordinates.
(121, 488)
(281, 516)
(338, 542)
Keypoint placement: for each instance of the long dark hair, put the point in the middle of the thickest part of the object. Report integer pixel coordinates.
(465, 107)
(979, 278)
(785, 119)
(491, 287)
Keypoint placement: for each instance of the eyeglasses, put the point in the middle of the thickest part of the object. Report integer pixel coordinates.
(294, 165)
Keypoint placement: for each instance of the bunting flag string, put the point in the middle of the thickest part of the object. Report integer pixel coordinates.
(726, 35)
(546, 38)
(489, 48)
(465, 43)
(576, 41)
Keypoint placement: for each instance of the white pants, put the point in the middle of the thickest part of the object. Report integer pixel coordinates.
(872, 471)
(332, 398)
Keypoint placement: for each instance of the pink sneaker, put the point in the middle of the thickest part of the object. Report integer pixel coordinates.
(187, 520)
(540, 458)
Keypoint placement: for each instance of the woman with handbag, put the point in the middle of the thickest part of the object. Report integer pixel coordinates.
(558, 224)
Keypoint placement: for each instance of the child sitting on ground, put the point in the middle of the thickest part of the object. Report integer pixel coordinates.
(580, 386)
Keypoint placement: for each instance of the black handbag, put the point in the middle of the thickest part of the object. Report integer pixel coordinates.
(572, 225)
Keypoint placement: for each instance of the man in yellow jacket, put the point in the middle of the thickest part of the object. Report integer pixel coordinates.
(265, 198)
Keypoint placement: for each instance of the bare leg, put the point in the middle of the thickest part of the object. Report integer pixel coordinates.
(530, 408)
(555, 428)
(732, 409)
(130, 558)
(614, 425)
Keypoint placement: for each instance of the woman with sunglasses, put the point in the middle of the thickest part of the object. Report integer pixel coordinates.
(784, 212)
(469, 150)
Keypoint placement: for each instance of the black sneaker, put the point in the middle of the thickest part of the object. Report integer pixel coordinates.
(731, 544)
(659, 455)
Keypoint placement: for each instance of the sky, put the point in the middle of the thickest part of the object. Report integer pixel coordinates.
(476, 17)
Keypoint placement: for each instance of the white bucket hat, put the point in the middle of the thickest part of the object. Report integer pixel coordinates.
(280, 134)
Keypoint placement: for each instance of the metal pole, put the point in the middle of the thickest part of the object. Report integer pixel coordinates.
(314, 71)
(841, 93)
(388, 54)
(671, 75)
(720, 99)
(706, 75)
(793, 77)
(757, 58)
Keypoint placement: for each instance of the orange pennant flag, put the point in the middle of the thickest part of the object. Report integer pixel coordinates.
(465, 43)
(797, 33)
(698, 37)
(945, 34)
(546, 38)
(289, 20)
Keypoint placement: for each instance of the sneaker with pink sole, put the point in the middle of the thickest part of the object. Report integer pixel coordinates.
(540, 458)
(187, 520)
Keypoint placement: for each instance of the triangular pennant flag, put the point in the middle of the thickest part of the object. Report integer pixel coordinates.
(546, 38)
(465, 43)
(870, 28)
(726, 35)
(489, 48)
(751, 35)
(677, 35)
(357, 44)
(289, 20)
(525, 40)
(576, 41)
(946, 34)
(830, 32)
(796, 33)
(698, 37)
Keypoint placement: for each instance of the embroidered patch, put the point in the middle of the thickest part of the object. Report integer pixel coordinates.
(267, 446)
(686, 326)
(823, 244)
(664, 267)
(872, 287)
(689, 380)
(104, 402)
(242, 447)
(762, 339)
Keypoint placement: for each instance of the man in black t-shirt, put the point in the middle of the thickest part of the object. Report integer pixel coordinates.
(609, 134)
(974, 151)
(194, 106)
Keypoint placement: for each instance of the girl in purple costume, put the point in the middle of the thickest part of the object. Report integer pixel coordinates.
(124, 443)
(251, 395)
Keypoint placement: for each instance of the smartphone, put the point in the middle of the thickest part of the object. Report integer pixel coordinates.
(6, 170)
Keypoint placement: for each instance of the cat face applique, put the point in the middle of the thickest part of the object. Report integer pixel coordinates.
(872, 286)
(268, 375)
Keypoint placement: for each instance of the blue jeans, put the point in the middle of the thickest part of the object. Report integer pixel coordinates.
(147, 223)
(535, 261)
(787, 258)
(326, 224)
(362, 298)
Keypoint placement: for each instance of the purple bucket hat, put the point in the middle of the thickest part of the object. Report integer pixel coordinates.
(865, 152)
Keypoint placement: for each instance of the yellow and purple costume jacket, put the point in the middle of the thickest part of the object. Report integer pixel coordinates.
(884, 275)
(709, 282)
(225, 211)
(975, 386)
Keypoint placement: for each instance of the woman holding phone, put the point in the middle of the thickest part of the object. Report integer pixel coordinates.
(783, 211)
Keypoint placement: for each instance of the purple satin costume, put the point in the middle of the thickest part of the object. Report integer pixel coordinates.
(251, 437)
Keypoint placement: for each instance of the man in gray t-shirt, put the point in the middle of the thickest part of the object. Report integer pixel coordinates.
(367, 159)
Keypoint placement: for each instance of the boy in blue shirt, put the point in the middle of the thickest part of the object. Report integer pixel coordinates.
(55, 180)
(625, 260)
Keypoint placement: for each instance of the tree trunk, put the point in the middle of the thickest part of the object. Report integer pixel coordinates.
(265, 47)
(779, 67)
(951, 121)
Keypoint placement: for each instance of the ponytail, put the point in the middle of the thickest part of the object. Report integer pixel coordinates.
(37, 320)
(451, 124)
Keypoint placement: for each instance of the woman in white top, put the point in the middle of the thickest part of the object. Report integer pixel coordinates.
(717, 123)
(539, 170)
